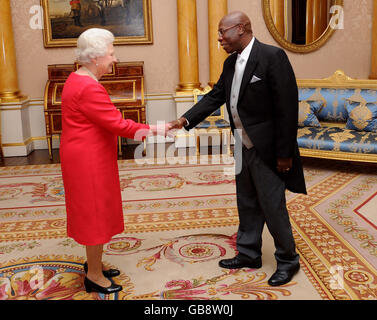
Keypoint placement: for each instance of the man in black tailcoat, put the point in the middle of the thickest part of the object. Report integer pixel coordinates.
(259, 87)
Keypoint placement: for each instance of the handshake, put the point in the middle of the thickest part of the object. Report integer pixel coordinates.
(167, 129)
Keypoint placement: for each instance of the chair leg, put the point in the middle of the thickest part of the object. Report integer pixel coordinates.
(229, 135)
(197, 138)
(119, 146)
(145, 147)
(1, 148)
(49, 145)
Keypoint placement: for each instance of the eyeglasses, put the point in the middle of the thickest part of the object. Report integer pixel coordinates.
(221, 32)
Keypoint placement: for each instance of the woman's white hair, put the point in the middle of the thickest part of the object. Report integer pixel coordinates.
(93, 43)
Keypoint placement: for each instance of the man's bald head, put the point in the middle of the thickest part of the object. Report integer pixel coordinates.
(237, 17)
(235, 31)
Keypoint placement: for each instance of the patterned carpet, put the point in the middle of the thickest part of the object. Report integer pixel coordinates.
(180, 219)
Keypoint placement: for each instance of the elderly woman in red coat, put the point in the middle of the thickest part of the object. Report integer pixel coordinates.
(88, 152)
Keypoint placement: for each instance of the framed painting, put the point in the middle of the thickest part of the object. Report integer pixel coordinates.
(64, 20)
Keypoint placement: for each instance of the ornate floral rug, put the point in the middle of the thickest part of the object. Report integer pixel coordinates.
(180, 220)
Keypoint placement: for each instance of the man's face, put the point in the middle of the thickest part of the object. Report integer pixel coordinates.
(228, 36)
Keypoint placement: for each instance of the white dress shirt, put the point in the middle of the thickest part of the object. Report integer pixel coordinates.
(236, 85)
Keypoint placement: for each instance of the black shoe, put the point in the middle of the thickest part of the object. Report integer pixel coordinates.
(91, 286)
(240, 262)
(107, 273)
(281, 277)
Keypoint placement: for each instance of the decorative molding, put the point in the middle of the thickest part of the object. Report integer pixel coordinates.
(335, 155)
(338, 80)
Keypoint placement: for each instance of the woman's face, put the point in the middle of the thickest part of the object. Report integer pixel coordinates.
(105, 63)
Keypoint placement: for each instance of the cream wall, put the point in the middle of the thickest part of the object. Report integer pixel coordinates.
(160, 58)
(348, 49)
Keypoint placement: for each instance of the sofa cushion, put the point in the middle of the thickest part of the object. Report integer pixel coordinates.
(334, 109)
(218, 123)
(307, 112)
(337, 139)
(361, 116)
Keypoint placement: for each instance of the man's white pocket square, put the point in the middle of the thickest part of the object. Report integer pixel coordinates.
(255, 79)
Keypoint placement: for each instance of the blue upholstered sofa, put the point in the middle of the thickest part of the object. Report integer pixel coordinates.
(338, 118)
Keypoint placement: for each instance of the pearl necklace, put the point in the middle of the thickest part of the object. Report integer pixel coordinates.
(90, 74)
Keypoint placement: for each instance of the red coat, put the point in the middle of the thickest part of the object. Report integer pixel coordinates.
(88, 153)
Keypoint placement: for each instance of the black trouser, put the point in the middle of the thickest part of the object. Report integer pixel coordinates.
(261, 199)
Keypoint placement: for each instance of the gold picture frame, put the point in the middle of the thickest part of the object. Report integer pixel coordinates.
(129, 20)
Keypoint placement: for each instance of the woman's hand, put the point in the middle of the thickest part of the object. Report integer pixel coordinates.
(161, 129)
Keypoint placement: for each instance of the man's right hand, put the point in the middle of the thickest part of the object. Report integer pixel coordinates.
(178, 124)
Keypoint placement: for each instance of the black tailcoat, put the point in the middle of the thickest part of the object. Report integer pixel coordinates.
(268, 108)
